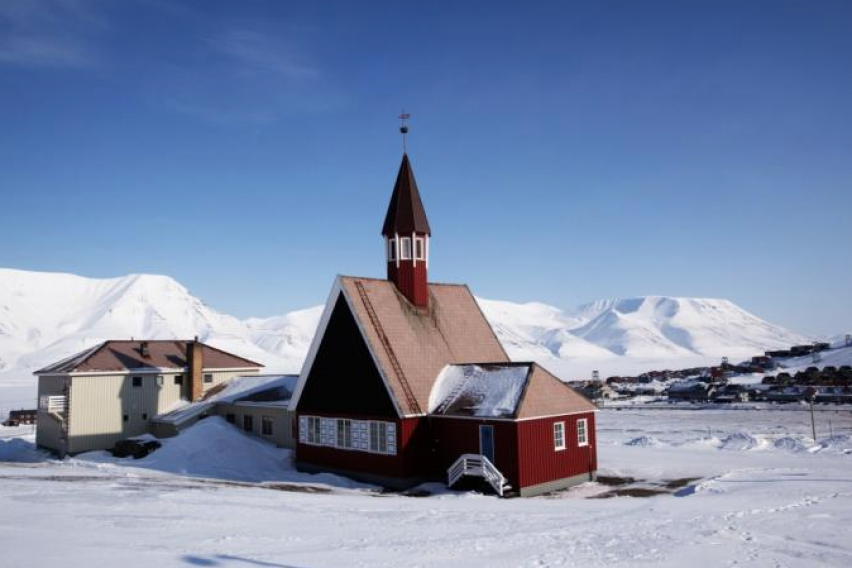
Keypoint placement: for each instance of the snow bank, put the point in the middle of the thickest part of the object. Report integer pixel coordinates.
(645, 442)
(214, 449)
(19, 450)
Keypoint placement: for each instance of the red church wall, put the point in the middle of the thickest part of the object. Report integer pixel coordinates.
(410, 461)
(456, 436)
(411, 280)
(540, 462)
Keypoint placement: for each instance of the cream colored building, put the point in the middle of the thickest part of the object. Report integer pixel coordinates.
(112, 391)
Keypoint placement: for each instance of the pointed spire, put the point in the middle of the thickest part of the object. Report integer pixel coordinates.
(405, 212)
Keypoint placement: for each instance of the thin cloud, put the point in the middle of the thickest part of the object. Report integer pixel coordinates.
(263, 53)
(50, 33)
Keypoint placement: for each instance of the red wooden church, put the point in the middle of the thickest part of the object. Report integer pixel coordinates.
(406, 382)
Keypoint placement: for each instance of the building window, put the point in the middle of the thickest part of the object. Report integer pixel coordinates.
(231, 418)
(144, 416)
(383, 437)
(391, 250)
(208, 378)
(363, 435)
(582, 432)
(125, 418)
(559, 435)
(419, 249)
(266, 425)
(344, 433)
(137, 381)
(312, 430)
(405, 248)
(248, 423)
(179, 380)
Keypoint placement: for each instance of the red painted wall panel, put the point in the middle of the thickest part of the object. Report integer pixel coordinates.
(408, 462)
(456, 436)
(411, 280)
(539, 462)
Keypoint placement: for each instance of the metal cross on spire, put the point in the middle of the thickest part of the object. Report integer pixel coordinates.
(403, 129)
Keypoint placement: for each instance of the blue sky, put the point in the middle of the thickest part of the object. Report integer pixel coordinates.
(566, 151)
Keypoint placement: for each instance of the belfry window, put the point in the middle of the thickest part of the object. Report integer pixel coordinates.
(391, 250)
(405, 248)
(419, 248)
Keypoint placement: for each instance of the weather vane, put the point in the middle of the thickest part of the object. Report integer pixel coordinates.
(403, 129)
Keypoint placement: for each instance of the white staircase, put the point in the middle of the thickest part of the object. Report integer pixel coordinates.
(476, 465)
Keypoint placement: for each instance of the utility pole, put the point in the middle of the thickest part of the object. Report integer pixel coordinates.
(810, 394)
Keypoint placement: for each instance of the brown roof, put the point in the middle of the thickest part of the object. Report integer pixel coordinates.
(504, 390)
(124, 355)
(405, 212)
(452, 330)
(546, 395)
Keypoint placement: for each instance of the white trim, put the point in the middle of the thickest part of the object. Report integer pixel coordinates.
(336, 290)
(414, 248)
(396, 238)
(427, 250)
(390, 250)
(357, 427)
(402, 255)
(585, 441)
(422, 241)
(557, 446)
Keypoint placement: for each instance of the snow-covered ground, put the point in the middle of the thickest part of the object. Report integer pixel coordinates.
(735, 488)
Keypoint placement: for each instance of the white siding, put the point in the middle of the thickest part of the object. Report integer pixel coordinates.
(282, 421)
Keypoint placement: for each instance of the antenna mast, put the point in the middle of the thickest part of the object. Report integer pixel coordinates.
(403, 129)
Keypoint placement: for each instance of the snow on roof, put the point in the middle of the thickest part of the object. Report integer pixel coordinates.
(239, 388)
(486, 390)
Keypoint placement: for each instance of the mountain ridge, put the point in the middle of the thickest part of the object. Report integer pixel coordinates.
(46, 316)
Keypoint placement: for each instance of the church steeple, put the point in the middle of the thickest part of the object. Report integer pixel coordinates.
(406, 231)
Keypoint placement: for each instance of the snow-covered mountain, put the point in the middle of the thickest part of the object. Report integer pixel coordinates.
(632, 335)
(46, 316)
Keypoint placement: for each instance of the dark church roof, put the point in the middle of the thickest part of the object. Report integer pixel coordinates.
(405, 212)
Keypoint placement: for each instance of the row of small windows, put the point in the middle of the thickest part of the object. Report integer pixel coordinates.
(178, 380)
(559, 442)
(266, 423)
(405, 248)
(361, 435)
(126, 417)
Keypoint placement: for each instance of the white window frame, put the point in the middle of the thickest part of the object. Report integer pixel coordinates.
(419, 242)
(583, 432)
(322, 431)
(559, 436)
(391, 250)
(344, 433)
(405, 248)
(314, 430)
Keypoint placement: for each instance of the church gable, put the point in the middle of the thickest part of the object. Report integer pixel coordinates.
(343, 378)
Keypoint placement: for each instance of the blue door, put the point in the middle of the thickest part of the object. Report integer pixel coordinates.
(486, 442)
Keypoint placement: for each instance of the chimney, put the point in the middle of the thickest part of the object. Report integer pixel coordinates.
(194, 369)
(143, 349)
